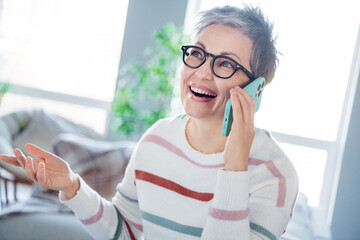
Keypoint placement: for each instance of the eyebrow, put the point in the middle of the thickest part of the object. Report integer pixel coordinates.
(222, 53)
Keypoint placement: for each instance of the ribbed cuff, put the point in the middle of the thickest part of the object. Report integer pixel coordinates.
(232, 190)
(85, 202)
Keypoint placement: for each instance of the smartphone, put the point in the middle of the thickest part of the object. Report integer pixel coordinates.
(255, 89)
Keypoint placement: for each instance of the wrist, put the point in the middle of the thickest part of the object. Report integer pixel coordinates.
(240, 165)
(70, 192)
(235, 168)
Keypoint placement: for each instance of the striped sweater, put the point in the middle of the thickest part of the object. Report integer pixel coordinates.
(171, 191)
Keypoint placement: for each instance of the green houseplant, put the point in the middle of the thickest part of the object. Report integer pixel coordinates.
(4, 87)
(145, 90)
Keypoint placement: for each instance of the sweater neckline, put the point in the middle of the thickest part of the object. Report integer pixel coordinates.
(208, 159)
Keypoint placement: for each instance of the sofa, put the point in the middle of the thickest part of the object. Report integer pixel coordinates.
(40, 215)
(101, 163)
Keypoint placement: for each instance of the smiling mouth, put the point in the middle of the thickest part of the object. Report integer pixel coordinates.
(201, 93)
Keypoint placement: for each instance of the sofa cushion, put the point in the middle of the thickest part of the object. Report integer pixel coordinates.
(300, 226)
(10, 125)
(44, 127)
(13, 123)
(6, 148)
(37, 127)
(100, 163)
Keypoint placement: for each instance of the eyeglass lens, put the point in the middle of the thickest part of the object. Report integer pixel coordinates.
(223, 67)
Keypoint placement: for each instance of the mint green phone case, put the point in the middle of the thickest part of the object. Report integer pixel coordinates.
(255, 89)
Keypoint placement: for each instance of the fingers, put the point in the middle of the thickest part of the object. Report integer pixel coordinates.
(9, 159)
(29, 168)
(20, 157)
(40, 175)
(34, 167)
(28, 163)
(38, 152)
(243, 105)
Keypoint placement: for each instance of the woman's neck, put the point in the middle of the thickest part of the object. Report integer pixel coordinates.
(205, 136)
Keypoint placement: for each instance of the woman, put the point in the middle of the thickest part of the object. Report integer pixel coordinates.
(185, 180)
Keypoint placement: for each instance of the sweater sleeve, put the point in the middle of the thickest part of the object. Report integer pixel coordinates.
(253, 204)
(229, 212)
(118, 219)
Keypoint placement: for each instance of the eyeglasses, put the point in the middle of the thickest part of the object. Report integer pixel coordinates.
(221, 66)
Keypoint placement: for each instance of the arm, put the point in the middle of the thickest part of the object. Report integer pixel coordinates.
(118, 219)
(246, 204)
(253, 204)
(103, 219)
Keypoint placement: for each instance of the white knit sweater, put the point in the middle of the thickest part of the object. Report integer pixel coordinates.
(171, 191)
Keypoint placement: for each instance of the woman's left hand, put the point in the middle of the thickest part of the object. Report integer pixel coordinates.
(237, 149)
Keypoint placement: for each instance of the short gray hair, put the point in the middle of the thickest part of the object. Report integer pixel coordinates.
(252, 23)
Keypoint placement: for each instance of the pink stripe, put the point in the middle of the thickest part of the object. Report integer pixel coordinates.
(252, 161)
(172, 148)
(276, 173)
(229, 215)
(282, 183)
(96, 217)
(255, 161)
(135, 225)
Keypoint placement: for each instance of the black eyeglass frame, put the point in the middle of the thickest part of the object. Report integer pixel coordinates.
(206, 54)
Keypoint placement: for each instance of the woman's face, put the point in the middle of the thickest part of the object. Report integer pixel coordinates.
(218, 40)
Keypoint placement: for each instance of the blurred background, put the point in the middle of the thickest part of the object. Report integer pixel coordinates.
(65, 57)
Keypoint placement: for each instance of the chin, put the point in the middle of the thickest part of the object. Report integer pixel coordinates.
(202, 110)
(204, 116)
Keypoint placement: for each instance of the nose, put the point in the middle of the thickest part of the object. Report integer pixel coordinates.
(204, 71)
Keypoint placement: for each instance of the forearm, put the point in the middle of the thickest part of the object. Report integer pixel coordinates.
(240, 210)
(97, 214)
(229, 212)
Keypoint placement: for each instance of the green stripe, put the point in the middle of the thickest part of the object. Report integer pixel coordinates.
(119, 225)
(166, 223)
(262, 230)
(126, 197)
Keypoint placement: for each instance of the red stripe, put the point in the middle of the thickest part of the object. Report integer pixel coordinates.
(135, 225)
(170, 185)
(132, 237)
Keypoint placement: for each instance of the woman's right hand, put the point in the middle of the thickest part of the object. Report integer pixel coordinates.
(46, 169)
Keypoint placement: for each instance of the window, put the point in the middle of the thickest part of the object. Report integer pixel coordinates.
(302, 107)
(65, 48)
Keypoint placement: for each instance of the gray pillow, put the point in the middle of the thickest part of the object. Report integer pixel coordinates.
(38, 127)
(100, 163)
(10, 125)
(6, 148)
(45, 127)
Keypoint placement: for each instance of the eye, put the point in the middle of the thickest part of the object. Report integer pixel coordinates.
(227, 64)
(196, 53)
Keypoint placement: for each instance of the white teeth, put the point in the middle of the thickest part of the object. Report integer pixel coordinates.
(201, 91)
